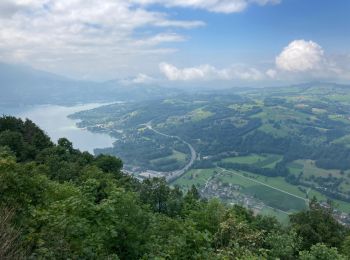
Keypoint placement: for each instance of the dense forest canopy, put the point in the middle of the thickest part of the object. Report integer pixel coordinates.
(59, 203)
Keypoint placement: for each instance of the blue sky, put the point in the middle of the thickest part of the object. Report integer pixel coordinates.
(180, 41)
(259, 33)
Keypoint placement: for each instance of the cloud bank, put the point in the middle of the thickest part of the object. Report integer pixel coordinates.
(300, 60)
(110, 38)
(207, 72)
(87, 37)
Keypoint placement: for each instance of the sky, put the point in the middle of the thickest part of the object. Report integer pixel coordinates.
(189, 42)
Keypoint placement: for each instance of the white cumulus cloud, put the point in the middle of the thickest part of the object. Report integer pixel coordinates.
(301, 55)
(307, 60)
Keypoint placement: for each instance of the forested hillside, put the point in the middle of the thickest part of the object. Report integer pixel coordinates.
(59, 203)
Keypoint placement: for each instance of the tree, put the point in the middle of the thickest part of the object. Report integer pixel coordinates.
(109, 163)
(317, 225)
(321, 252)
(155, 192)
(13, 140)
(35, 136)
(173, 238)
(235, 234)
(345, 249)
(208, 215)
(6, 153)
(22, 186)
(175, 202)
(66, 144)
(283, 245)
(193, 193)
(78, 228)
(10, 123)
(10, 246)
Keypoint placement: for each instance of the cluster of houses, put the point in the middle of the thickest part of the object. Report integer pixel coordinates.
(231, 193)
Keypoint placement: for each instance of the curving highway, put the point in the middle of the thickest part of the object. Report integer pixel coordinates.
(170, 176)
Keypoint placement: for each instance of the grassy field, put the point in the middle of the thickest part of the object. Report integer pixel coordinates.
(343, 140)
(272, 197)
(193, 116)
(263, 160)
(281, 115)
(281, 216)
(318, 111)
(199, 114)
(176, 157)
(283, 131)
(339, 118)
(270, 161)
(309, 168)
(342, 98)
(280, 183)
(276, 199)
(227, 177)
(250, 159)
(241, 107)
(197, 177)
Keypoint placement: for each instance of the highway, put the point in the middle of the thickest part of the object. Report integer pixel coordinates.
(176, 174)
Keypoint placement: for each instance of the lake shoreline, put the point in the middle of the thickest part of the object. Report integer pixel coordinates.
(55, 120)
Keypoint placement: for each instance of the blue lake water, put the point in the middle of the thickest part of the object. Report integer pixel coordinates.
(53, 119)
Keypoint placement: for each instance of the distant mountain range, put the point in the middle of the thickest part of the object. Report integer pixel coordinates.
(22, 85)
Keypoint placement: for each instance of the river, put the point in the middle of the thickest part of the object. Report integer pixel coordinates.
(53, 119)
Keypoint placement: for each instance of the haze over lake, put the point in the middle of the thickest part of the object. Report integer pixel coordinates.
(54, 120)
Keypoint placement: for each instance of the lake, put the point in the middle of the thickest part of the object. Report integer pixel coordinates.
(53, 119)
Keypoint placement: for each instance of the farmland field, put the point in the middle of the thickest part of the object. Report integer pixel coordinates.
(196, 177)
(262, 160)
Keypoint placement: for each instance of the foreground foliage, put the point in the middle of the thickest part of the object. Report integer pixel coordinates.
(69, 204)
